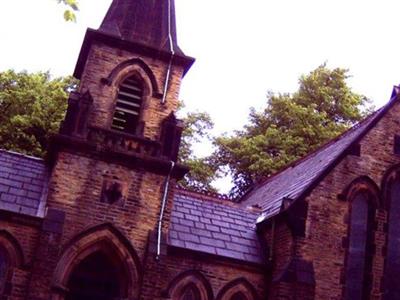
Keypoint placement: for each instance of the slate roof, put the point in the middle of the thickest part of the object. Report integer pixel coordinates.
(214, 228)
(142, 21)
(23, 183)
(295, 180)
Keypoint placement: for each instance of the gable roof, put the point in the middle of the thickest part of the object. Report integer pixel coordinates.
(23, 183)
(300, 177)
(214, 228)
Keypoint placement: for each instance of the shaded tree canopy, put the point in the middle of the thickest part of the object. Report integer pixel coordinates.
(202, 171)
(290, 126)
(31, 109)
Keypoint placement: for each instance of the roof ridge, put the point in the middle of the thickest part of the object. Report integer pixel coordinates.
(311, 154)
(14, 153)
(207, 194)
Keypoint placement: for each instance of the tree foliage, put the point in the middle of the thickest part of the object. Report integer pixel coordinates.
(202, 171)
(71, 8)
(290, 126)
(31, 109)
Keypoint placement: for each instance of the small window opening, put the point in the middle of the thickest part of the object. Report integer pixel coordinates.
(128, 106)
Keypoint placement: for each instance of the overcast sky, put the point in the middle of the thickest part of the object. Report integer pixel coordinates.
(242, 48)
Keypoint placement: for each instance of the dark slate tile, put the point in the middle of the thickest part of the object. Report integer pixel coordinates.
(8, 198)
(199, 225)
(177, 243)
(178, 214)
(28, 210)
(212, 228)
(186, 222)
(21, 178)
(205, 220)
(253, 258)
(230, 253)
(220, 223)
(4, 188)
(180, 228)
(231, 232)
(192, 218)
(11, 183)
(212, 242)
(28, 202)
(238, 227)
(221, 236)
(200, 247)
(221, 213)
(237, 247)
(212, 216)
(201, 232)
(18, 192)
(173, 234)
(188, 237)
(9, 206)
(33, 187)
(196, 213)
(182, 209)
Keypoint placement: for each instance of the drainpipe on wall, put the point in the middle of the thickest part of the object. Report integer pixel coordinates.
(171, 48)
(162, 211)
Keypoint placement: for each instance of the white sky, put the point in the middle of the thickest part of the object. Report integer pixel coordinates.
(242, 48)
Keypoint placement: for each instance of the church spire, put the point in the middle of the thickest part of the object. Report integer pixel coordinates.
(147, 26)
(143, 21)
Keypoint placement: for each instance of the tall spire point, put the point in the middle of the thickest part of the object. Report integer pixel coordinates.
(142, 21)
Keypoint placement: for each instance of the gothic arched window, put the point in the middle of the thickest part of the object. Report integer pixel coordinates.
(128, 106)
(190, 292)
(392, 264)
(238, 296)
(360, 254)
(4, 266)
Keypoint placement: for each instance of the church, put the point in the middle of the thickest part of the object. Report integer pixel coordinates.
(102, 218)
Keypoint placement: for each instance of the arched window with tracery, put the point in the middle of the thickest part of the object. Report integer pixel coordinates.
(392, 262)
(190, 285)
(190, 292)
(4, 266)
(360, 248)
(238, 289)
(128, 105)
(239, 296)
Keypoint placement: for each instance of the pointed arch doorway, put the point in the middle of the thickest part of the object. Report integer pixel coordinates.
(98, 264)
(97, 277)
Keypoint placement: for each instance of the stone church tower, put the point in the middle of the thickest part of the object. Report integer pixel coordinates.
(103, 219)
(114, 159)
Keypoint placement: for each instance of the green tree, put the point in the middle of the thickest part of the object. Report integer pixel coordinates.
(31, 109)
(71, 9)
(290, 126)
(202, 171)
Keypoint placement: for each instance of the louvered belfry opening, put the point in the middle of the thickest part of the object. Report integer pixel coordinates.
(128, 105)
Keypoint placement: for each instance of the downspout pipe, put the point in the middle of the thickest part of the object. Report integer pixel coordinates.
(162, 211)
(172, 50)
